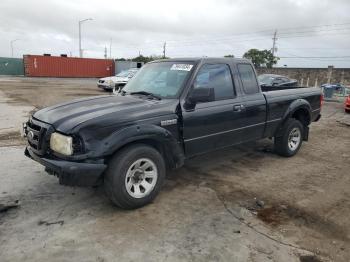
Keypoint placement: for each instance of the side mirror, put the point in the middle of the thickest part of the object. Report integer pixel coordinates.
(200, 95)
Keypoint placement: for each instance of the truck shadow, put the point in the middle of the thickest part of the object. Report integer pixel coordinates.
(234, 174)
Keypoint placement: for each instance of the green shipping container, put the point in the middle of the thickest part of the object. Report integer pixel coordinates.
(11, 66)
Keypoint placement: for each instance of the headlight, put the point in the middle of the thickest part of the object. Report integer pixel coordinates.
(110, 82)
(61, 144)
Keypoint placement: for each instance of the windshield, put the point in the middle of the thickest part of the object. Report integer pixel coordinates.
(265, 79)
(123, 74)
(163, 79)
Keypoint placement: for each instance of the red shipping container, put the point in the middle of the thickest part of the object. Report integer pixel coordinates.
(57, 66)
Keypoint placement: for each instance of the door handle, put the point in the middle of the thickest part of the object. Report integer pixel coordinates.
(238, 108)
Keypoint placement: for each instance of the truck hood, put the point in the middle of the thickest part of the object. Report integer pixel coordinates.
(103, 110)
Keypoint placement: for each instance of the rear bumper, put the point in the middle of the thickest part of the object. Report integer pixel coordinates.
(317, 118)
(70, 173)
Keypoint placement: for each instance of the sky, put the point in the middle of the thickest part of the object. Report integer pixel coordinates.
(310, 33)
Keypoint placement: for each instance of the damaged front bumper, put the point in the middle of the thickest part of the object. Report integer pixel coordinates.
(71, 173)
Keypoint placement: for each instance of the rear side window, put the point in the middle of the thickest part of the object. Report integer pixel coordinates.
(217, 76)
(250, 85)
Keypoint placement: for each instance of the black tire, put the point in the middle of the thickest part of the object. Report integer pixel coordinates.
(282, 142)
(115, 176)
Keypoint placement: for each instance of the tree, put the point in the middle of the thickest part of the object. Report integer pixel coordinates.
(261, 58)
(141, 58)
(229, 56)
(147, 59)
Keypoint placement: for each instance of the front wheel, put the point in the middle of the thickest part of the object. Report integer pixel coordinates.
(134, 176)
(116, 89)
(289, 143)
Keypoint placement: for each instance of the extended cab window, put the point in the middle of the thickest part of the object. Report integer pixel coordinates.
(246, 72)
(218, 77)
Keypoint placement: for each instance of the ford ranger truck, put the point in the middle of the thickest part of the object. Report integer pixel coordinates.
(170, 111)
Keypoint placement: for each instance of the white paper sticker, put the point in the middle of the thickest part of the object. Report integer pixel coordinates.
(182, 67)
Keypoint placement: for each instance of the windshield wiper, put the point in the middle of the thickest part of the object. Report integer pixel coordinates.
(146, 94)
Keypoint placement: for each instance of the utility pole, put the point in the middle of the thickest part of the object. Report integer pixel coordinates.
(105, 52)
(80, 22)
(12, 41)
(164, 47)
(274, 48)
(110, 49)
(80, 51)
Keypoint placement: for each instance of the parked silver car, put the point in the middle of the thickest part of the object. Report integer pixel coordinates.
(115, 82)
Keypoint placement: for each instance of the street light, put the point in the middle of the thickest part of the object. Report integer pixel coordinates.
(80, 22)
(12, 41)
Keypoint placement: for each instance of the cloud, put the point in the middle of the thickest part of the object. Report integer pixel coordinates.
(190, 28)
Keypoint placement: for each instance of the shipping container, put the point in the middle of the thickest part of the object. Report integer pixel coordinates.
(60, 66)
(11, 66)
(125, 65)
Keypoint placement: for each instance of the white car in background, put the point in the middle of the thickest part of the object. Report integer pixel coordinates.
(112, 83)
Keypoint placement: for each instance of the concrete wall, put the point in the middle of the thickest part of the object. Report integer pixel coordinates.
(125, 65)
(312, 76)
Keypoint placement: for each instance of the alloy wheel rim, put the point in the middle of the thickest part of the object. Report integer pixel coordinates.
(294, 138)
(141, 178)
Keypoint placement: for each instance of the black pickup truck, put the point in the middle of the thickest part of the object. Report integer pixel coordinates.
(171, 110)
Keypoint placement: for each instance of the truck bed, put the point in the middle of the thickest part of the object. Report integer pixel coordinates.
(280, 99)
(265, 88)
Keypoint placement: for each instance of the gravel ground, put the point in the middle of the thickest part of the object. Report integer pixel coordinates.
(238, 204)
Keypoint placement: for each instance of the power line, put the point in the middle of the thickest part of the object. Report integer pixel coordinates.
(213, 42)
(322, 59)
(233, 36)
(314, 56)
(319, 48)
(267, 31)
(229, 40)
(315, 31)
(314, 26)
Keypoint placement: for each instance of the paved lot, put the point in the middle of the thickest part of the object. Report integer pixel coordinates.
(207, 210)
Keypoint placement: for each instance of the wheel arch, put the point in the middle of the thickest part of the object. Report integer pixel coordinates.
(155, 136)
(299, 109)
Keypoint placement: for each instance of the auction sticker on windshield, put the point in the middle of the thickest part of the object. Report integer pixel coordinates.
(182, 67)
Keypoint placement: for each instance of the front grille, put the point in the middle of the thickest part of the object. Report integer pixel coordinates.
(36, 132)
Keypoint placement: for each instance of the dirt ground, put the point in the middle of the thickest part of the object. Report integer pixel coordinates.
(238, 204)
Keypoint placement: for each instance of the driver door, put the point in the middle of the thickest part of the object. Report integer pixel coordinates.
(215, 124)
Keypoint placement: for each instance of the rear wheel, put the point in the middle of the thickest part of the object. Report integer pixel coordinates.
(134, 176)
(291, 139)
